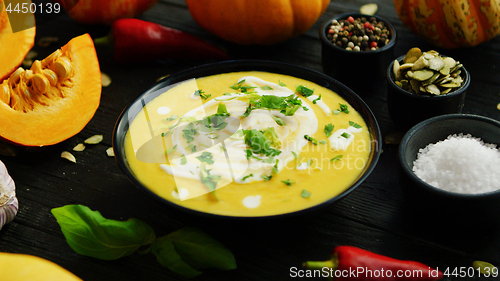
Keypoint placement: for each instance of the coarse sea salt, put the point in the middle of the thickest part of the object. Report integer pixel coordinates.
(461, 164)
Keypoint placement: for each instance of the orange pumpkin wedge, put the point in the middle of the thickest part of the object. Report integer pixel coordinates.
(14, 45)
(54, 99)
(22, 267)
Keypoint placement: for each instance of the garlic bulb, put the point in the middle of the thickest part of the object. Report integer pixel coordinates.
(8, 201)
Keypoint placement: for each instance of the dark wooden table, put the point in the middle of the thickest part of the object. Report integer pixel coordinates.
(375, 216)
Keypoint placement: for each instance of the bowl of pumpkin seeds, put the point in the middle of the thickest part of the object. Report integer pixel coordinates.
(422, 85)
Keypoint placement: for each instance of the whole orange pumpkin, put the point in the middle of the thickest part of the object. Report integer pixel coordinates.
(261, 22)
(105, 11)
(451, 24)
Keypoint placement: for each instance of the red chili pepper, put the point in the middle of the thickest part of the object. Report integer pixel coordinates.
(136, 40)
(351, 263)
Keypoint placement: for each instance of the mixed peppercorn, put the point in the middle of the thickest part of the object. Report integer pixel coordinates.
(360, 34)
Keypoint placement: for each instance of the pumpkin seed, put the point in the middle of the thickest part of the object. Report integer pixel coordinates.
(427, 73)
(433, 89)
(436, 63)
(412, 55)
(94, 139)
(68, 156)
(369, 9)
(110, 152)
(105, 79)
(79, 147)
(422, 75)
(420, 64)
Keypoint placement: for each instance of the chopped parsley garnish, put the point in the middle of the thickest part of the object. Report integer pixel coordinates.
(222, 148)
(305, 194)
(309, 162)
(286, 105)
(209, 180)
(206, 157)
(200, 93)
(281, 83)
(267, 178)
(288, 182)
(275, 168)
(237, 86)
(313, 140)
(173, 117)
(183, 159)
(328, 129)
(267, 88)
(272, 136)
(192, 147)
(171, 149)
(189, 132)
(345, 135)
(336, 158)
(316, 100)
(304, 91)
(344, 108)
(354, 124)
(259, 143)
(246, 177)
(279, 121)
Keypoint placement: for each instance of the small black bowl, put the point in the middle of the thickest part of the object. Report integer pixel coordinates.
(438, 202)
(407, 109)
(354, 100)
(361, 71)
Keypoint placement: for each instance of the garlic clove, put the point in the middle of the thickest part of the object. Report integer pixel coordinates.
(8, 201)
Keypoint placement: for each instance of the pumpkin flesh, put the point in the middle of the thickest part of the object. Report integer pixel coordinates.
(21, 267)
(14, 45)
(262, 22)
(451, 24)
(53, 100)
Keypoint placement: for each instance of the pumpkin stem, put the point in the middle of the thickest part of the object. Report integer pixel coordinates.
(106, 41)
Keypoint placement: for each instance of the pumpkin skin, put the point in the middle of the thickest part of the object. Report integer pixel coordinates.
(261, 22)
(105, 11)
(21, 267)
(14, 46)
(61, 111)
(451, 24)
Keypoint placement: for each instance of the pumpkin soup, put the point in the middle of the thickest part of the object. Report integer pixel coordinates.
(247, 144)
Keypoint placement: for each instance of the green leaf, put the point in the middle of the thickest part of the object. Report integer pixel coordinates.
(344, 108)
(183, 160)
(200, 93)
(167, 256)
(173, 117)
(89, 233)
(354, 124)
(206, 157)
(288, 182)
(279, 121)
(345, 135)
(246, 177)
(328, 129)
(337, 158)
(267, 178)
(259, 143)
(272, 102)
(189, 132)
(304, 91)
(222, 110)
(316, 100)
(171, 149)
(281, 84)
(200, 250)
(305, 194)
(267, 88)
(237, 86)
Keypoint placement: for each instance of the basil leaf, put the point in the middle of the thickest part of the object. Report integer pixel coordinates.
(166, 255)
(200, 250)
(89, 233)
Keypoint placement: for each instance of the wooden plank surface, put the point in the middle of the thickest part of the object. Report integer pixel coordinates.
(376, 216)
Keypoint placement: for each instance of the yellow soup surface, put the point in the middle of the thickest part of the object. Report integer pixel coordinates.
(247, 144)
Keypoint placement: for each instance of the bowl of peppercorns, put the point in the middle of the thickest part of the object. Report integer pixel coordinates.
(356, 49)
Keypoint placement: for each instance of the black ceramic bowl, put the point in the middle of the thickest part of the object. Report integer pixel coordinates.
(357, 103)
(435, 200)
(361, 71)
(407, 109)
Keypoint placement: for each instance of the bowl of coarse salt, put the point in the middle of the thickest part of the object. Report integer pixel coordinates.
(452, 165)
